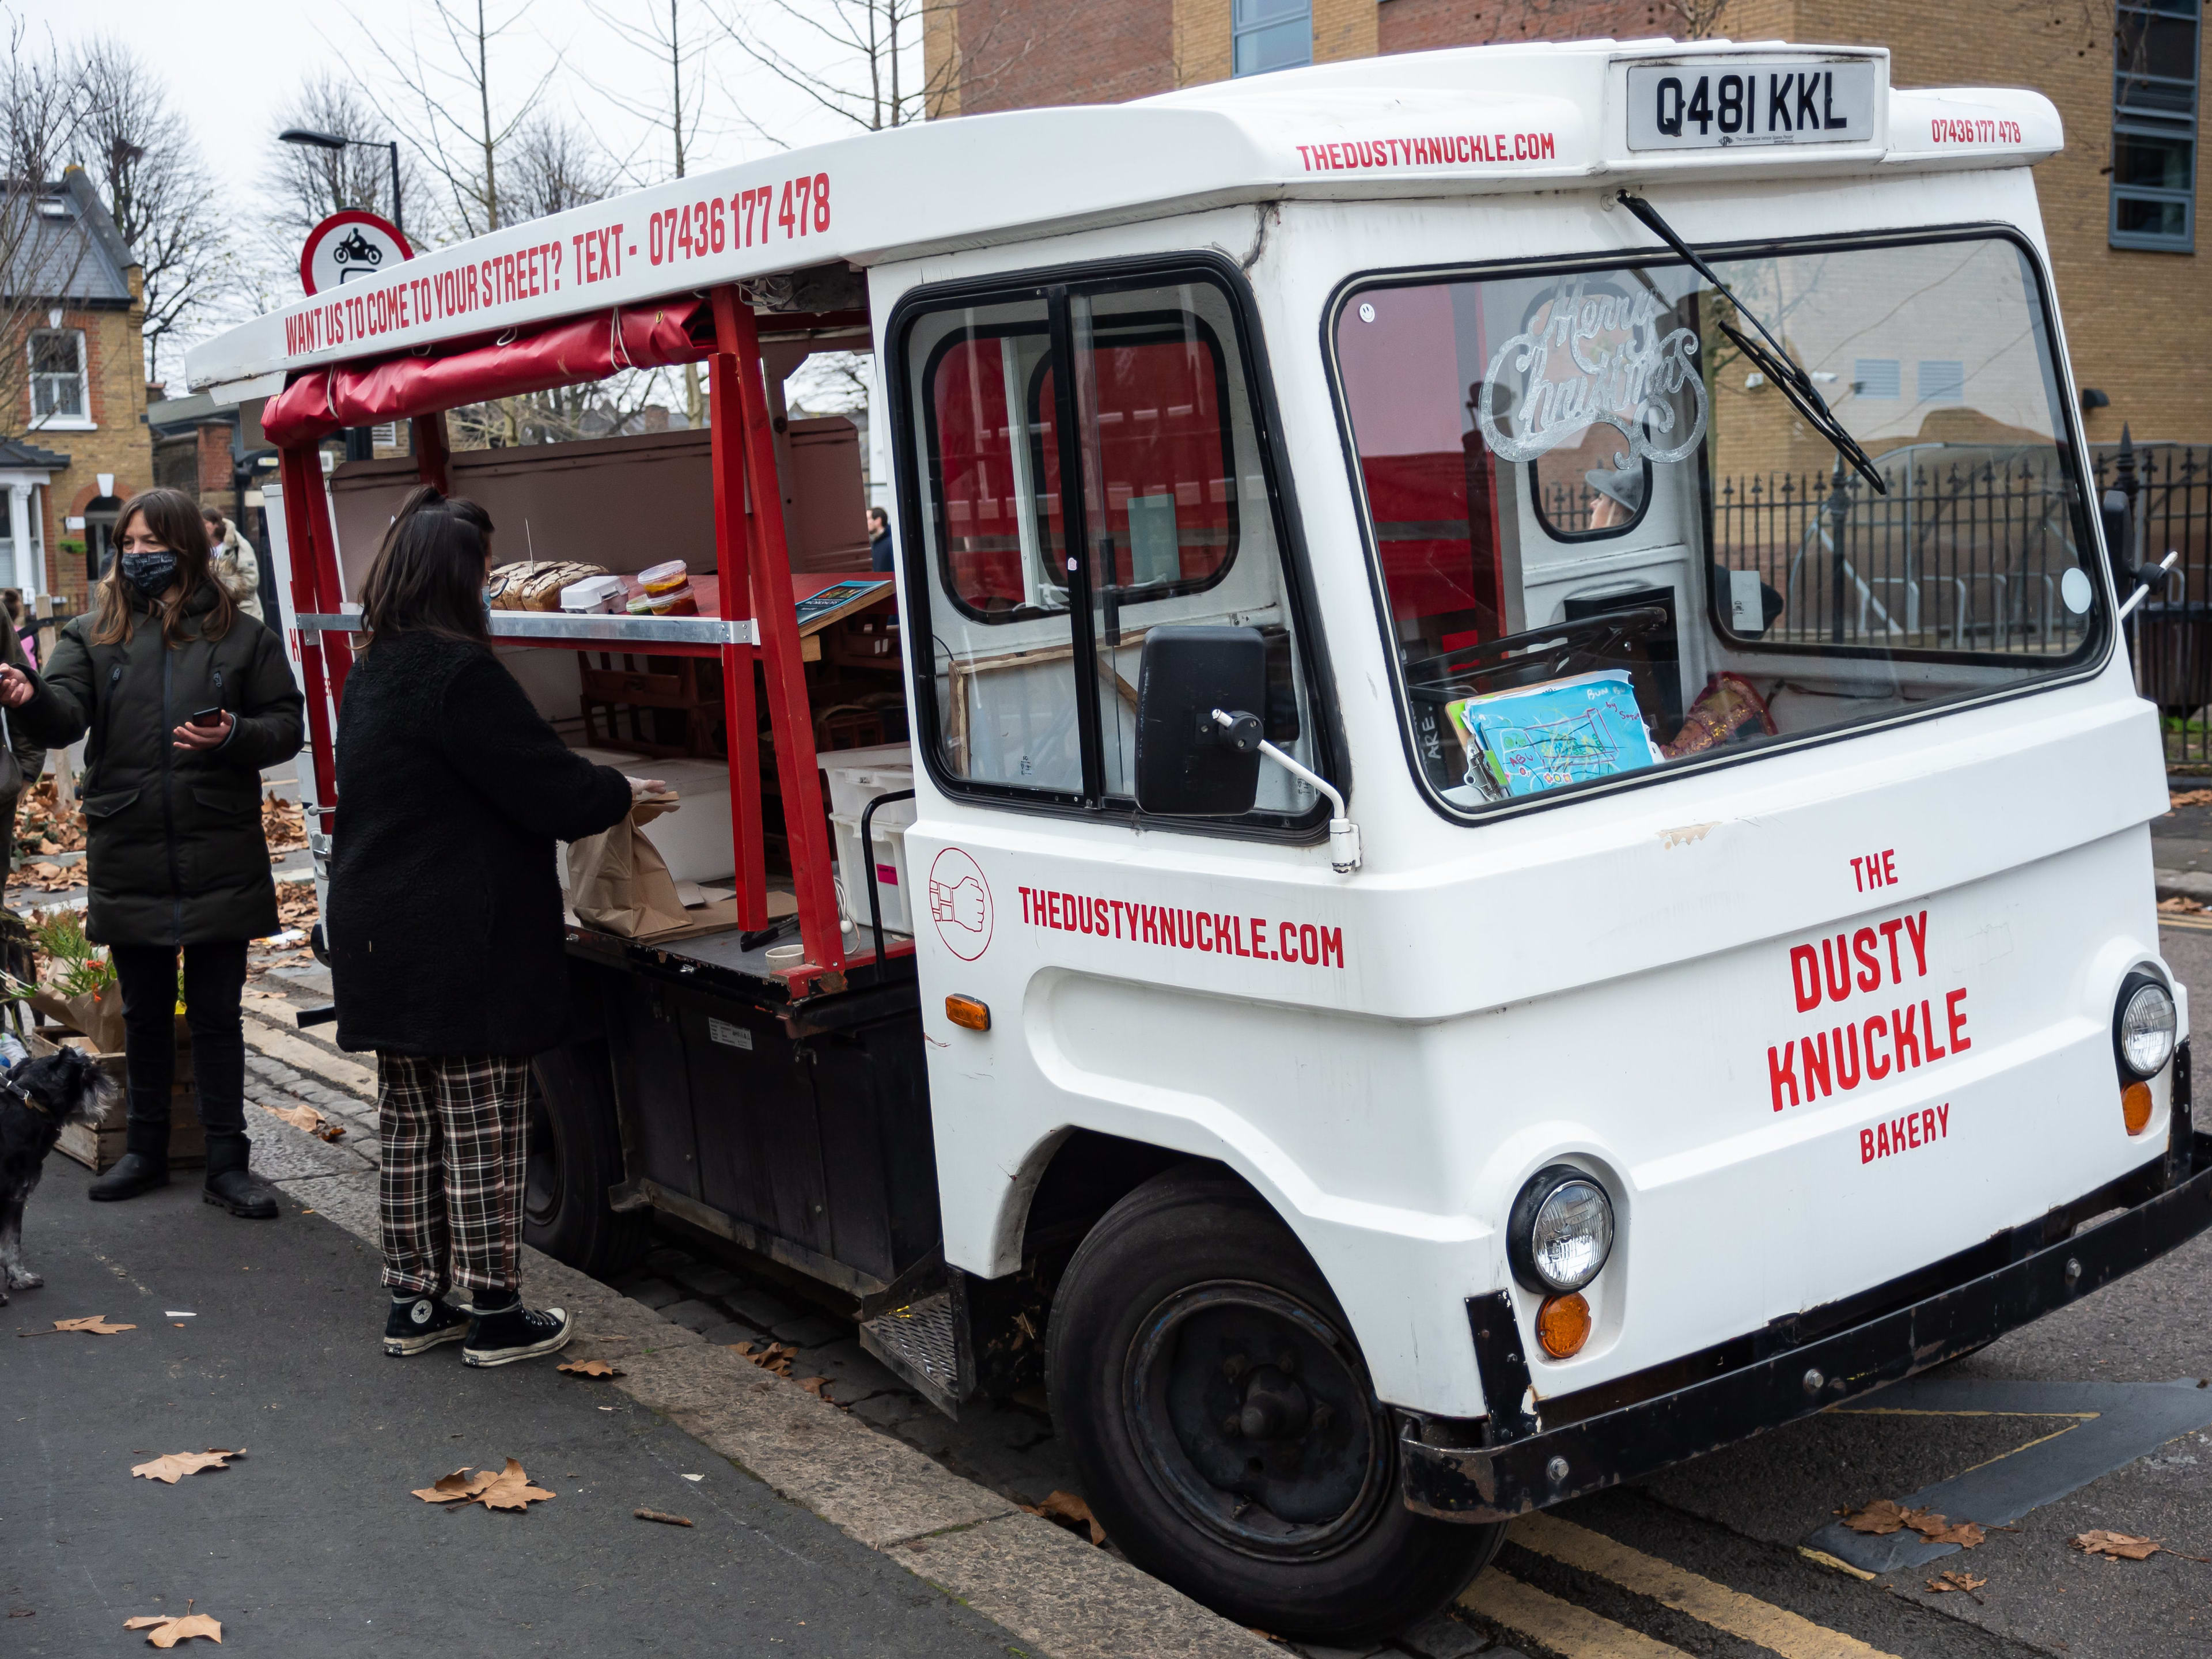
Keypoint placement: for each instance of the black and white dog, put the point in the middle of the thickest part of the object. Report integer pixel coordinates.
(37, 1097)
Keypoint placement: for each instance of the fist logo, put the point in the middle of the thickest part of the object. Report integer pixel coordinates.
(960, 904)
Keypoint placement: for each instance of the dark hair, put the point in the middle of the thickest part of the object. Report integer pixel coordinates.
(213, 515)
(427, 576)
(174, 518)
(883, 513)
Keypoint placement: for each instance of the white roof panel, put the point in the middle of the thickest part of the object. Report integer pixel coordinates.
(1482, 120)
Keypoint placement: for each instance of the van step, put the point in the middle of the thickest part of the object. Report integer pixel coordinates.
(920, 1343)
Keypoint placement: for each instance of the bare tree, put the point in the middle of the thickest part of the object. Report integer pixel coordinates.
(1701, 19)
(862, 60)
(446, 109)
(134, 142)
(40, 258)
(304, 183)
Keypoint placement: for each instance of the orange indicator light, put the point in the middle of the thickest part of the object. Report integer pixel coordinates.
(2134, 1107)
(968, 1012)
(1563, 1325)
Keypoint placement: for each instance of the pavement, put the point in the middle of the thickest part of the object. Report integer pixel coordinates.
(913, 1525)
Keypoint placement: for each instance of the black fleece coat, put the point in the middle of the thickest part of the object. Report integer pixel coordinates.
(174, 847)
(443, 916)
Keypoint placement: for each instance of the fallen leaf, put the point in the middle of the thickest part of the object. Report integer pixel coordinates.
(455, 1487)
(2190, 797)
(816, 1386)
(1957, 1581)
(657, 1515)
(2179, 906)
(97, 1325)
(307, 1118)
(512, 1490)
(2119, 1544)
(1884, 1516)
(175, 1466)
(166, 1633)
(589, 1368)
(1881, 1518)
(1070, 1511)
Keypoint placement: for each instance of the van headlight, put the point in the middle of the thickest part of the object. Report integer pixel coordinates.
(1560, 1232)
(2144, 1026)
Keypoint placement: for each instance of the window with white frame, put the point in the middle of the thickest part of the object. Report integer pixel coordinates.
(60, 394)
(2154, 75)
(1270, 34)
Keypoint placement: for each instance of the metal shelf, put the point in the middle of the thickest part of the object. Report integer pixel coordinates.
(591, 628)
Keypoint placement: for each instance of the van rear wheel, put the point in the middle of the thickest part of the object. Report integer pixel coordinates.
(1230, 1440)
(574, 1155)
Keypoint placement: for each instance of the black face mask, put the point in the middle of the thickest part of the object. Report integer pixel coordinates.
(150, 572)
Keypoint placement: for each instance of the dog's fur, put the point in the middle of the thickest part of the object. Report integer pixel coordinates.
(69, 1087)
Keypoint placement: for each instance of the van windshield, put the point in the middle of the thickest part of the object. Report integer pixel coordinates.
(1611, 547)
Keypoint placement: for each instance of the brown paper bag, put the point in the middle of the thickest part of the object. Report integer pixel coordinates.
(94, 1014)
(619, 883)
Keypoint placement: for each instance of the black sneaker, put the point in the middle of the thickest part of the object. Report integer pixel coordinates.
(504, 1335)
(419, 1323)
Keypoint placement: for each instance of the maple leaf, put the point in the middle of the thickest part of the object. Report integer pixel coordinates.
(589, 1368)
(1957, 1581)
(97, 1325)
(1070, 1510)
(1941, 1529)
(507, 1489)
(175, 1466)
(819, 1387)
(455, 1487)
(1881, 1518)
(164, 1631)
(2118, 1545)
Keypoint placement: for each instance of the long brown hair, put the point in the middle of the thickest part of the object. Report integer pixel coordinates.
(175, 518)
(427, 576)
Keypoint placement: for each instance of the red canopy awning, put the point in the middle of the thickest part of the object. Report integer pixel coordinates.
(564, 353)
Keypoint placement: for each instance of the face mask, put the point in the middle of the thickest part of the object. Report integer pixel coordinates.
(150, 572)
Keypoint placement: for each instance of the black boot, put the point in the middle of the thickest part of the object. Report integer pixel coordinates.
(230, 1185)
(130, 1176)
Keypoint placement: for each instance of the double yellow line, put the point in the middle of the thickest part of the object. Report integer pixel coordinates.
(1576, 1632)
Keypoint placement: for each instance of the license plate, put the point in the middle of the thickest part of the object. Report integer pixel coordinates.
(1751, 101)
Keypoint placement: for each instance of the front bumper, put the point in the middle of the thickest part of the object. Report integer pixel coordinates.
(1527, 1466)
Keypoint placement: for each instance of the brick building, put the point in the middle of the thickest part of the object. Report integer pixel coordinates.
(77, 443)
(2119, 205)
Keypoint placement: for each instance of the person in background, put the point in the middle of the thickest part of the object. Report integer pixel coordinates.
(16, 652)
(445, 928)
(879, 539)
(184, 704)
(235, 566)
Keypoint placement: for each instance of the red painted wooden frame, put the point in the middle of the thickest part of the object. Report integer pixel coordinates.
(752, 559)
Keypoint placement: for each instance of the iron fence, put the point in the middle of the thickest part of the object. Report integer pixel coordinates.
(2167, 487)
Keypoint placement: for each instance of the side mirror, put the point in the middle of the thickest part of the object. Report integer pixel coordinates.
(1188, 764)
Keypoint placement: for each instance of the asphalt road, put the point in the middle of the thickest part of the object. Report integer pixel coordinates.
(311, 1543)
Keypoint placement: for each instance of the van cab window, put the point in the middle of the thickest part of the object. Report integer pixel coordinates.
(1091, 467)
(1610, 548)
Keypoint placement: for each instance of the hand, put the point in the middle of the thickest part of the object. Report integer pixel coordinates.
(200, 737)
(962, 905)
(640, 788)
(16, 688)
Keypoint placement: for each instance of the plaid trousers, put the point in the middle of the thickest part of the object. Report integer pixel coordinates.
(452, 1130)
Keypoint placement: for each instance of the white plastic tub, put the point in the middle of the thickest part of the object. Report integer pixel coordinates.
(887, 830)
(857, 776)
(694, 839)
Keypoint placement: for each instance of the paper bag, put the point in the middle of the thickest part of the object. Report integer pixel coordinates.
(619, 883)
(97, 1015)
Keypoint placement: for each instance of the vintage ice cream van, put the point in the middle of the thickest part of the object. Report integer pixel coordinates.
(1527, 851)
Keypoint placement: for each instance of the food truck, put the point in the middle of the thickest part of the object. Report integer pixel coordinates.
(1528, 844)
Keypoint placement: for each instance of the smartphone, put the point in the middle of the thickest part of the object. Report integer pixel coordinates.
(209, 718)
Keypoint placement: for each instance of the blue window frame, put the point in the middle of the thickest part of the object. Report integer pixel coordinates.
(2155, 54)
(1270, 34)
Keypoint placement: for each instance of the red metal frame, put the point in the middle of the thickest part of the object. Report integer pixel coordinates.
(752, 560)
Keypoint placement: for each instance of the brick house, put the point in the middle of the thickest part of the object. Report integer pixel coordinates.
(2119, 204)
(78, 443)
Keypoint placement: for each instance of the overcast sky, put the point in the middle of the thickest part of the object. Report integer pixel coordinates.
(231, 65)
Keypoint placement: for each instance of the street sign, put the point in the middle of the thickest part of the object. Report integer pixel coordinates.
(348, 244)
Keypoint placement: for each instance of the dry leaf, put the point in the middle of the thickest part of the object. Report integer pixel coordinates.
(819, 1387)
(164, 1631)
(455, 1487)
(175, 1466)
(1070, 1511)
(2118, 1545)
(97, 1325)
(589, 1368)
(1881, 1518)
(2179, 906)
(1884, 1516)
(2190, 797)
(307, 1118)
(512, 1490)
(1957, 1581)
(665, 1519)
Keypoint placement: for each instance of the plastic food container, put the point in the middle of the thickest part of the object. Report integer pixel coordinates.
(592, 593)
(670, 602)
(664, 578)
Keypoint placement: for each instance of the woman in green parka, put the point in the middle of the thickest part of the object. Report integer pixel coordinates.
(182, 700)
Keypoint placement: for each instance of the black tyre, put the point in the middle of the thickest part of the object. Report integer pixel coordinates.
(575, 1156)
(1229, 1438)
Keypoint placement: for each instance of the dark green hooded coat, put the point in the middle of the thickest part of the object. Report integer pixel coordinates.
(174, 846)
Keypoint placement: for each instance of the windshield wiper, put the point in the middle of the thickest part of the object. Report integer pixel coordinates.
(1770, 357)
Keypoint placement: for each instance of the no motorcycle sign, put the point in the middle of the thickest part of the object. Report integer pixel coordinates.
(348, 246)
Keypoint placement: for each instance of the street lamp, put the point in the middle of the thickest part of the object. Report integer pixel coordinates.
(332, 141)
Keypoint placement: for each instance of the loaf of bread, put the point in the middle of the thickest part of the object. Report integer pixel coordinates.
(539, 589)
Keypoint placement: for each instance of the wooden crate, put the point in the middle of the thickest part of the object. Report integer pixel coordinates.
(97, 1147)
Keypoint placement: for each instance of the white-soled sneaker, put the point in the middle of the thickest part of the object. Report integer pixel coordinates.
(500, 1337)
(419, 1323)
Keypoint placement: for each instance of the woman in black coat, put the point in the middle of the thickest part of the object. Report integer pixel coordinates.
(444, 926)
(185, 700)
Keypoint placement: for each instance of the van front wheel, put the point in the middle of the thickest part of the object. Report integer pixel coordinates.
(1230, 1440)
